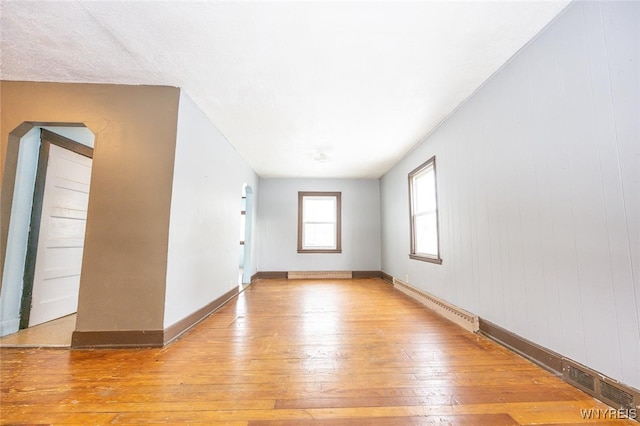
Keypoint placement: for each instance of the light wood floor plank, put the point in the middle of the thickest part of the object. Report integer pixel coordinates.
(352, 352)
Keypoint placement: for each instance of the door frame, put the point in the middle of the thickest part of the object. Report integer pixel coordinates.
(247, 261)
(46, 139)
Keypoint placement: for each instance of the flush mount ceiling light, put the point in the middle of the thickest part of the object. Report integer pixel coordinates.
(321, 157)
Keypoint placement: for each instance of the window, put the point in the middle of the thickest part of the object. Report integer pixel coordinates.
(423, 206)
(319, 222)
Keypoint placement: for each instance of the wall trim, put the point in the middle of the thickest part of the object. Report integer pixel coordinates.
(280, 275)
(117, 339)
(174, 331)
(147, 338)
(539, 355)
(388, 278)
(366, 274)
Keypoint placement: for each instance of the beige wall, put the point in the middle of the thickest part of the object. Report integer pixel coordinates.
(125, 258)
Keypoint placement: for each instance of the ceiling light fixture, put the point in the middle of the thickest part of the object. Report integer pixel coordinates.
(321, 157)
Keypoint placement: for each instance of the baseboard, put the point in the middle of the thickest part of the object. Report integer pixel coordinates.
(545, 358)
(625, 399)
(459, 316)
(388, 278)
(278, 275)
(117, 339)
(176, 330)
(146, 338)
(366, 274)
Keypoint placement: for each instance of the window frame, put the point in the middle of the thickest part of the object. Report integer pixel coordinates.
(424, 257)
(338, 236)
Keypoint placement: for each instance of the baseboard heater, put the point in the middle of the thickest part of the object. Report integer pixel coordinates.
(451, 312)
(304, 275)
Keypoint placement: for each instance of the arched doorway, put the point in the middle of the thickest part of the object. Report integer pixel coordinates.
(246, 220)
(24, 182)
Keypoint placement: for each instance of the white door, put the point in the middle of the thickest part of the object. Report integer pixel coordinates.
(61, 239)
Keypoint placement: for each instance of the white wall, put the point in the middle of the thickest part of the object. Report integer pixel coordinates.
(205, 215)
(12, 276)
(539, 192)
(278, 222)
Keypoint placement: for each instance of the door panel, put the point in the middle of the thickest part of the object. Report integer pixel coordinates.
(61, 238)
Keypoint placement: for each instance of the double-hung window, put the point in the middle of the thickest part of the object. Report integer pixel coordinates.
(319, 221)
(424, 213)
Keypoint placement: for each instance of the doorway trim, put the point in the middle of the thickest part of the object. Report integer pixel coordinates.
(247, 247)
(47, 138)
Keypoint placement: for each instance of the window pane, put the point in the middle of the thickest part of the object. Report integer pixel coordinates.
(319, 235)
(319, 222)
(319, 209)
(425, 191)
(424, 213)
(426, 227)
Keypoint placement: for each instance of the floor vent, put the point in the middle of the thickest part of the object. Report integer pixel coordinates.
(604, 388)
(303, 275)
(613, 393)
(451, 312)
(580, 378)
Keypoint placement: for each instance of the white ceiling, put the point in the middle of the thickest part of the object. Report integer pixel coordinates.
(353, 84)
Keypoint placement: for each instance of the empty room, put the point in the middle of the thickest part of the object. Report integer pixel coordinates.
(309, 212)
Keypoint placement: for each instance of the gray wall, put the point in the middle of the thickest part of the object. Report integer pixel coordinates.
(204, 230)
(278, 226)
(538, 185)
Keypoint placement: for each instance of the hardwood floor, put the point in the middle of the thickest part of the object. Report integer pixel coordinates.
(52, 334)
(296, 352)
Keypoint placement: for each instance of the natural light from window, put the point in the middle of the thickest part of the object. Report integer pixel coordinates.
(424, 213)
(319, 222)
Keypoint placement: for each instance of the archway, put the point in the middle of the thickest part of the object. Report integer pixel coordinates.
(246, 212)
(18, 188)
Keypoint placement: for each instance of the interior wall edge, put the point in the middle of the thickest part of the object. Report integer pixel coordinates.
(176, 330)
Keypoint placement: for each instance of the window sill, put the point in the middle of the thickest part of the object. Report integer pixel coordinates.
(435, 260)
(318, 251)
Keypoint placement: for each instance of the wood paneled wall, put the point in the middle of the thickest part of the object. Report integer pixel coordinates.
(538, 187)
